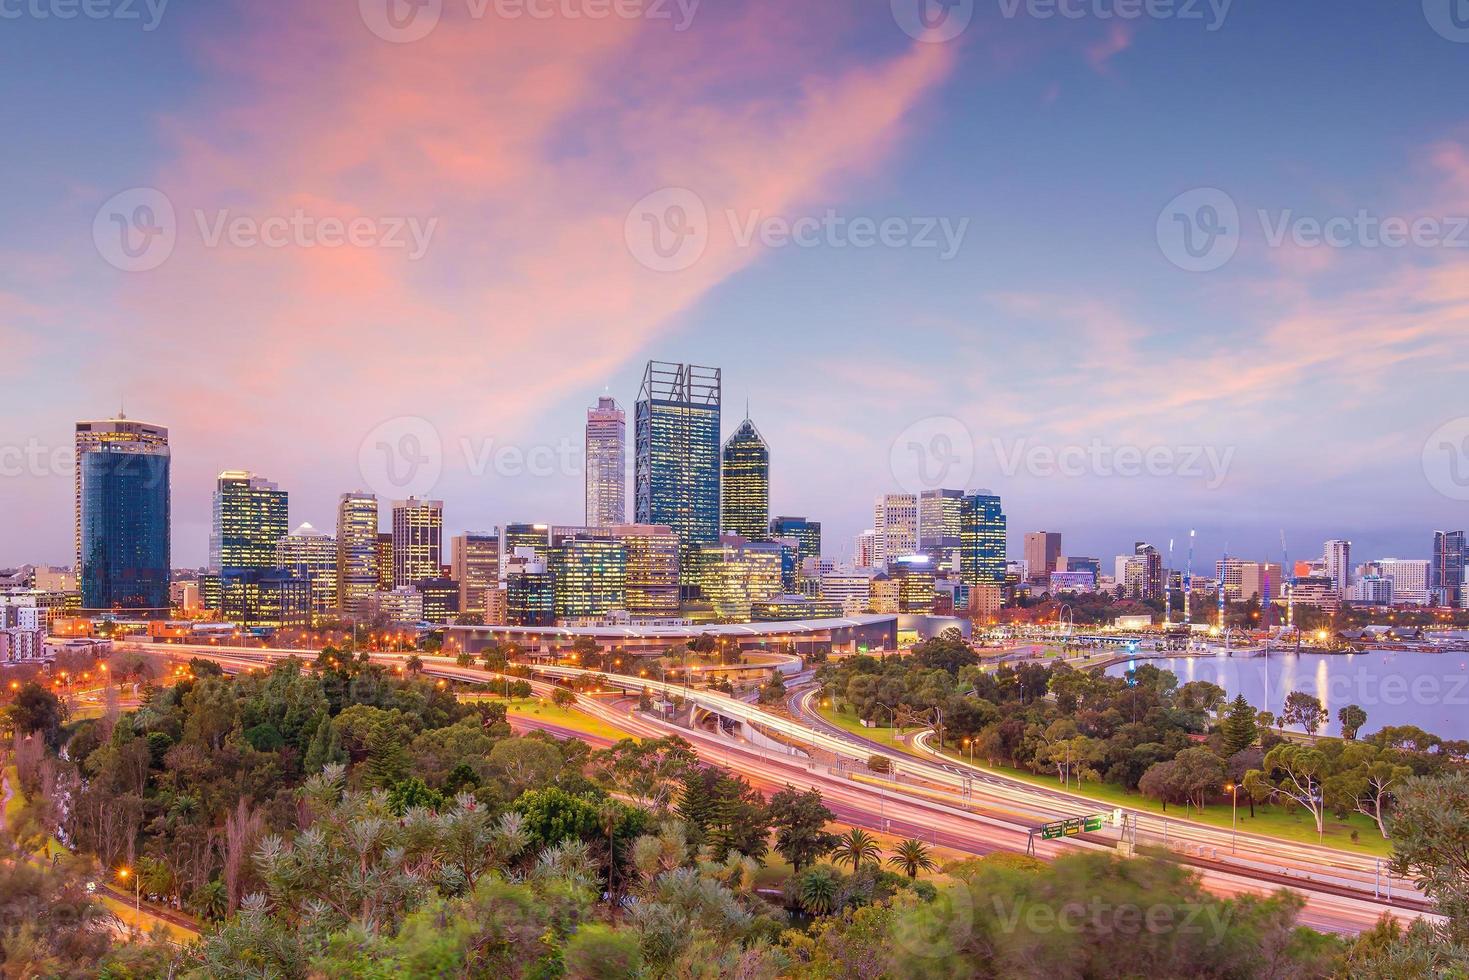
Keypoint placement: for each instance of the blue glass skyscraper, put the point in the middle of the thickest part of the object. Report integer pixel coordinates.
(122, 502)
(981, 539)
(677, 460)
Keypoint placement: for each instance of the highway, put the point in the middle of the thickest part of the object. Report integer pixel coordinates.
(939, 801)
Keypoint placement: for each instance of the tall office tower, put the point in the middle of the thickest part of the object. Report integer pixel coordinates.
(677, 453)
(250, 518)
(1261, 580)
(606, 464)
(734, 572)
(1449, 553)
(476, 567)
(865, 552)
(652, 570)
(938, 524)
(590, 576)
(895, 522)
(1410, 580)
(418, 541)
(807, 534)
(1145, 572)
(1338, 558)
(982, 530)
(312, 555)
(382, 557)
(745, 484)
(122, 515)
(356, 551)
(530, 594)
(1042, 550)
(1230, 573)
(537, 537)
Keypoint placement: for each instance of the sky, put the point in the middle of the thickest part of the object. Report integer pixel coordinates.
(1138, 267)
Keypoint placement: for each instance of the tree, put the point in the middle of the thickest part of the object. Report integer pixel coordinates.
(857, 847)
(817, 890)
(563, 698)
(1295, 772)
(1364, 782)
(1304, 710)
(1352, 718)
(800, 821)
(650, 772)
(1240, 729)
(36, 710)
(911, 857)
(1430, 833)
(597, 952)
(414, 665)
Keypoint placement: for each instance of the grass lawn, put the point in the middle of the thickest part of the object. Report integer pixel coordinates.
(544, 710)
(1272, 821)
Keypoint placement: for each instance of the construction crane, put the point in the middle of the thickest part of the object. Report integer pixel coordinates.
(1288, 582)
(1168, 588)
(1188, 580)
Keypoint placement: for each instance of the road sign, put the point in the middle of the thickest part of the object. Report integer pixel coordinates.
(1073, 826)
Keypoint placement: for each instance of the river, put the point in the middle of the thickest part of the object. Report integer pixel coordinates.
(1430, 690)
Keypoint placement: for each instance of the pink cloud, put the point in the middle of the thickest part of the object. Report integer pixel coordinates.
(1117, 40)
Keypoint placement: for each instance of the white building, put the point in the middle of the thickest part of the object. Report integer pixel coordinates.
(1409, 577)
(895, 524)
(1338, 560)
(865, 553)
(312, 554)
(850, 587)
(606, 464)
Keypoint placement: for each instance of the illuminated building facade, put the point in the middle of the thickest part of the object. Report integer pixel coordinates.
(537, 537)
(265, 598)
(476, 567)
(895, 527)
(915, 580)
(382, 556)
(312, 554)
(606, 464)
(677, 467)
(806, 533)
(590, 576)
(1042, 551)
(250, 518)
(745, 484)
(530, 596)
(939, 516)
(122, 515)
(1449, 553)
(440, 600)
(652, 570)
(418, 541)
(357, 575)
(735, 572)
(982, 530)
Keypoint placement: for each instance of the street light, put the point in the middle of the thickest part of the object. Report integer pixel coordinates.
(1233, 817)
(123, 874)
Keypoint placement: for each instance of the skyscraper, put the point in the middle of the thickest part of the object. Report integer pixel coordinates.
(122, 515)
(895, 523)
(982, 530)
(745, 484)
(312, 555)
(418, 541)
(677, 452)
(476, 564)
(1145, 572)
(590, 576)
(806, 532)
(652, 570)
(356, 546)
(1042, 548)
(1338, 559)
(938, 523)
(606, 464)
(1449, 553)
(537, 537)
(382, 558)
(250, 518)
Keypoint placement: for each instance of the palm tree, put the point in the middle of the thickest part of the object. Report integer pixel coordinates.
(818, 891)
(912, 857)
(414, 664)
(857, 847)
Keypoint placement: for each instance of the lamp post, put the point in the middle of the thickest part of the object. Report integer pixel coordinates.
(1233, 817)
(123, 874)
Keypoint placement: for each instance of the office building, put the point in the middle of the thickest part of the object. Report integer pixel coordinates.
(357, 577)
(1318, 591)
(418, 538)
(475, 565)
(250, 517)
(606, 464)
(807, 534)
(745, 484)
(939, 519)
(536, 537)
(1373, 590)
(1338, 559)
(1261, 580)
(590, 577)
(1410, 580)
(440, 600)
(849, 588)
(982, 531)
(382, 556)
(1144, 572)
(734, 572)
(122, 516)
(1064, 582)
(530, 595)
(865, 550)
(497, 607)
(1042, 551)
(915, 584)
(652, 588)
(312, 554)
(401, 607)
(263, 598)
(677, 453)
(1449, 554)
(895, 527)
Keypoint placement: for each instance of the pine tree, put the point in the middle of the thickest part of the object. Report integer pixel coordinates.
(317, 753)
(1240, 730)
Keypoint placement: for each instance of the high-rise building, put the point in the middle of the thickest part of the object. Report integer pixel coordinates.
(590, 576)
(1449, 553)
(939, 519)
(1262, 580)
(677, 453)
(122, 515)
(745, 484)
(418, 541)
(652, 590)
(982, 530)
(864, 553)
(530, 595)
(250, 518)
(382, 556)
(1338, 558)
(895, 524)
(440, 599)
(357, 532)
(915, 580)
(536, 537)
(849, 587)
(264, 598)
(806, 533)
(312, 555)
(606, 464)
(733, 572)
(1042, 550)
(1144, 572)
(476, 567)
(1410, 580)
